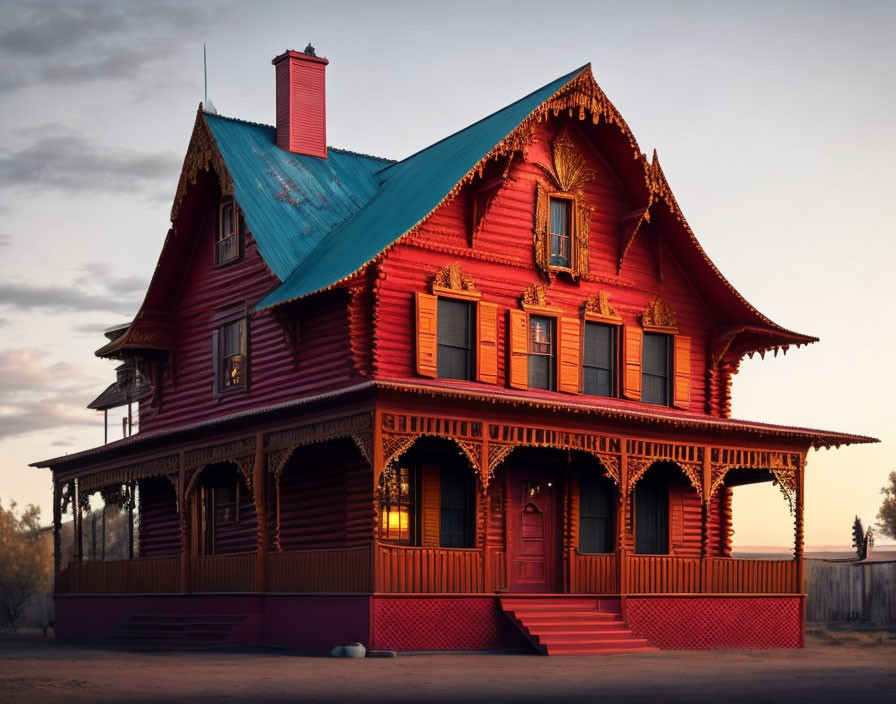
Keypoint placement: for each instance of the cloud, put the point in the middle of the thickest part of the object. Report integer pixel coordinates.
(74, 44)
(36, 394)
(96, 289)
(91, 329)
(60, 159)
(3, 322)
(5, 240)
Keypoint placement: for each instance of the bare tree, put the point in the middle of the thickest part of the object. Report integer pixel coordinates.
(25, 560)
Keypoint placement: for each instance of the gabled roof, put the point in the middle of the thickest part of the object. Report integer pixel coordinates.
(291, 201)
(411, 189)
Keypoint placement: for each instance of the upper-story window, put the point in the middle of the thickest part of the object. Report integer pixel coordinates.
(542, 353)
(599, 360)
(455, 340)
(231, 352)
(561, 232)
(227, 237)
(656, 369)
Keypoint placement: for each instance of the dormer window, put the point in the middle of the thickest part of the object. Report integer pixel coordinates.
(561, 233)
(227, 239)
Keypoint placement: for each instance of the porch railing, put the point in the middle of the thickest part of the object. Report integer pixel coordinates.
(158, 575)
(593, 574)
(661, 574)
(223, 573)
(428, 570)
(731, 576)
(345, 570)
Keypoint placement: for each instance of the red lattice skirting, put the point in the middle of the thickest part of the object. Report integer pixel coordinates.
(692, 622)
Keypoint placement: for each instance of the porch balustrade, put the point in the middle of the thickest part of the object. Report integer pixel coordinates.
(346, 570)
(593, 574)
(159, 575)
(223, 573)
(429, 570)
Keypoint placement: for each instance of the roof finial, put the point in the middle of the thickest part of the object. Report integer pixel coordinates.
(309, 50)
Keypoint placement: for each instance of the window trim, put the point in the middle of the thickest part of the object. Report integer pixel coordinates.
(220, 322)
(670, 367)
(473, 334)
(573, 233)
(553, 356)
(614, 321)
(228, 202)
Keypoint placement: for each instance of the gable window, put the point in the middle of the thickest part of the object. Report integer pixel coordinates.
(599, 360)
(231, 351)
(595, 514)
(561, 233)
(541, 353)
(656, 366)
(227, 238)
(455, 340)
(652, 516)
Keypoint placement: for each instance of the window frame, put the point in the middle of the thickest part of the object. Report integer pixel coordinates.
(571, 204)
(553, 366)
(220, 237)
(614, 322)
(612, 527)
(669, 364)
(411, 503)
(221, 322)
(664, 484)
(472, 335)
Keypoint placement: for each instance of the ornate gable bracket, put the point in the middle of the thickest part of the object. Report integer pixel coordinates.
(202, 155)
(659, 316)
(451, 279)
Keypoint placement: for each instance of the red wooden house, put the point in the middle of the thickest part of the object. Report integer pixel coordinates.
(475, 399)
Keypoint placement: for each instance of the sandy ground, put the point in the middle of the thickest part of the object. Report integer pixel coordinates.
(35, 671)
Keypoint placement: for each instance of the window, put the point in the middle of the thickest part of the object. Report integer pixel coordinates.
(227, 239)
(656, 378)
(220, 507)
(595, 514)
(561, 233)
(231, 348)
(397, 524)
(456, 510)
(599, 361)
(455, 340)
(541, 353)
(227, 502)
(652, 516)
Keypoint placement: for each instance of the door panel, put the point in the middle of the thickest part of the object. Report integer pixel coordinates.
(532, 517)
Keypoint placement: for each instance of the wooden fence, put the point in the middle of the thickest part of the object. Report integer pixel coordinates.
(858, 591)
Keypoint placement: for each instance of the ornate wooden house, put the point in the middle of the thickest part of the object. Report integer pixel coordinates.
(475, 399)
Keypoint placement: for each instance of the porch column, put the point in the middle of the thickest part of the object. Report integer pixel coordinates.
(622, 517)
(377, 470)
(57, 520)
(706, 570)
(76, 510)
(798, 525)
(184, 525)
(261, 513)
(486, 509)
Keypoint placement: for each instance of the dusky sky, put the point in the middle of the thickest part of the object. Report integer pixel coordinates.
(773, 122)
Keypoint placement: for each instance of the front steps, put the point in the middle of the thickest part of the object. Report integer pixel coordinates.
(177, 632)
(573, 625)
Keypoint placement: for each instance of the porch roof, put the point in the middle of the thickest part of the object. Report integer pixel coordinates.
(612, 410)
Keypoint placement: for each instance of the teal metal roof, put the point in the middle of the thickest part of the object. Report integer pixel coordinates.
(290, 201)
(409, 191)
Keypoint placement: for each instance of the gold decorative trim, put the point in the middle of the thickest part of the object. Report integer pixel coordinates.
(451, 279)
(534, 295)
(567, 175)
(597, 307)
(202, 155)
(658, 315)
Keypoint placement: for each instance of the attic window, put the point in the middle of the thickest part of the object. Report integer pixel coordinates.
(227, 237)
(561, 233)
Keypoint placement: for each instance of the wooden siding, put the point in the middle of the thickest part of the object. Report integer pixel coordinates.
(159, 523)
(501, 263)
(276, 372)
(326, 498)
(428, 570)
(346, 570)
(159, 575)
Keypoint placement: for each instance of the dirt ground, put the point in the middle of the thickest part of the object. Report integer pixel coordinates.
(36, 672)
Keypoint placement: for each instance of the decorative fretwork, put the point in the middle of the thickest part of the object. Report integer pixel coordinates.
(202, 155)
(239, 452)
(160, 466)
(785, 466)
(312, 433)
(406, 423)
(453, 278)
(497, 453)
(567, 175)
(658, 314)
(394, 446)
(644, 453)
(599, 304)
(534, 295)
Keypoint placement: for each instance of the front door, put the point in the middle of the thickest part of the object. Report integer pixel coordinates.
(532, 518)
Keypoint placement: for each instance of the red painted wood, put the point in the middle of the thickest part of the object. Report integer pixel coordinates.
(534, 549)
(159, 523)
(301, 103)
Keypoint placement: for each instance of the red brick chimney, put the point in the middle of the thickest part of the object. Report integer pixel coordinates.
(302, 102)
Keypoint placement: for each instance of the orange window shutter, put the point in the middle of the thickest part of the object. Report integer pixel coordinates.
(518, 352)
(631, 381)
(682, 359)
(487, 343)
(432, 503)
(570, 356)
(427, 338)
